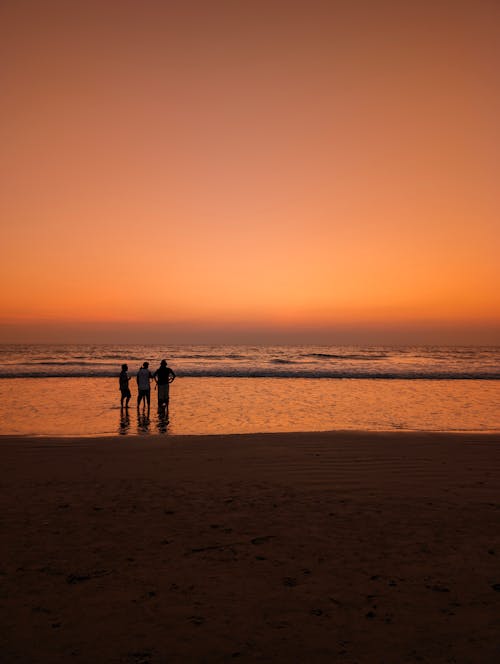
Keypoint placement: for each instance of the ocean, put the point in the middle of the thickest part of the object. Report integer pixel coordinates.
(73, 389)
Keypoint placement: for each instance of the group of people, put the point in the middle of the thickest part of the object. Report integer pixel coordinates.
(162, 378)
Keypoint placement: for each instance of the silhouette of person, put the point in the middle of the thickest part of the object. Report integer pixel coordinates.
(124, 386)
(144, 377)
(163, 377)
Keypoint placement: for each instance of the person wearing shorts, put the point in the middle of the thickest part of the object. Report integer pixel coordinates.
(163, 377)
(124, 387)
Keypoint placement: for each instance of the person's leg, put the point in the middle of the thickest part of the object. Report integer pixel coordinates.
(162, 395)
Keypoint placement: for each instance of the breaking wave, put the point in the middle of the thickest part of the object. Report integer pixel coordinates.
(230, 361)
(256, 372)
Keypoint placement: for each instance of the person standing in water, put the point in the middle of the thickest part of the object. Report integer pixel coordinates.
(124, 386)
(144, 377)
(163, 377)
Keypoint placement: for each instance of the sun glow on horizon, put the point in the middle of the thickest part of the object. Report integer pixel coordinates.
(275, 166)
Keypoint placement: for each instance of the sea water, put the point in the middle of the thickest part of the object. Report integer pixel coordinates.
(73, 389)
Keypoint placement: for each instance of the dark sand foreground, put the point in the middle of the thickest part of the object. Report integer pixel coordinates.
(276, 548)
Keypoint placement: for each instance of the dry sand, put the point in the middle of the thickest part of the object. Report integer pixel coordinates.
(276, 548)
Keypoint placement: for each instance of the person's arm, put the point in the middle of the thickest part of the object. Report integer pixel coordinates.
(171, 376)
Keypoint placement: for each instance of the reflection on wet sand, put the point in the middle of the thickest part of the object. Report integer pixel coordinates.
(162, 418)
(143, 422)
(124, 426)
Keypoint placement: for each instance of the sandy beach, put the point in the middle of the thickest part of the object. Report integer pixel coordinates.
(314, 547)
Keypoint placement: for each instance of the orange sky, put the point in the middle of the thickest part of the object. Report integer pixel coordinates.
(242, 171)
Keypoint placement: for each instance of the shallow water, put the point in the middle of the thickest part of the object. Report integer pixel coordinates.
(90, 406)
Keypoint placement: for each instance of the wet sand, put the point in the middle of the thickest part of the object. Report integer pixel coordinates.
(315, 547)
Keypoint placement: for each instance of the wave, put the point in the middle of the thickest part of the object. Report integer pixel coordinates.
(378, 356)
(201, 356)
(120, 358)
(260, 372)
(71, 363)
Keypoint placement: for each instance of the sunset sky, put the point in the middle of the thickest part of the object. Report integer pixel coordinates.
(250, 171)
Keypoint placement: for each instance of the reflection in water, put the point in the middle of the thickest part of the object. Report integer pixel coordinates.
(124, 421)
(162, 418)
(241, 405)
(142, 422)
